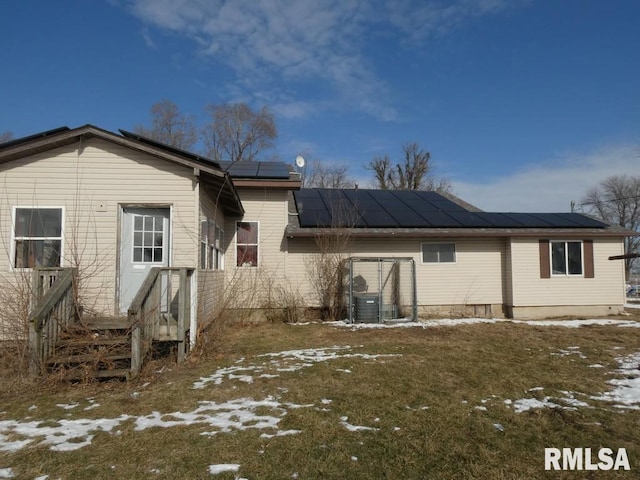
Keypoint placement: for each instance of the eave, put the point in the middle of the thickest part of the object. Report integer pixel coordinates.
(293, 232)
(270, 184)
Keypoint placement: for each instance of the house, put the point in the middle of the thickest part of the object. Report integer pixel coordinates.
(470, 262)
(156, 232)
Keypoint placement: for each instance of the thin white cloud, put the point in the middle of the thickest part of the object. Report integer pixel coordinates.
(268, 43)
(552, 185)
(421, 20)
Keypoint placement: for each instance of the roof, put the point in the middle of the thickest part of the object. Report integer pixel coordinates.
(169, 148)
(385, 213)
(262, 174)
(208, 170)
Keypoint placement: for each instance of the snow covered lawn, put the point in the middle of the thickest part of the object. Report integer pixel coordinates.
(337, 400)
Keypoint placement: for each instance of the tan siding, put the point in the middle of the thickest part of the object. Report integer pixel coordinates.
(607, 288)
(210, 294)
(269, 209)
(90, 180)
(211, 283)
(475, 278)
(249, 286)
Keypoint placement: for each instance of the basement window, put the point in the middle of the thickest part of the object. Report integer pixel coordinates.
(37, 237)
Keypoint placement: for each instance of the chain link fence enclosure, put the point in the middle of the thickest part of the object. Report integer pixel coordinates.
(381, 289)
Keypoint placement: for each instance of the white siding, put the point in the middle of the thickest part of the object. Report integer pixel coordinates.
(91, 179)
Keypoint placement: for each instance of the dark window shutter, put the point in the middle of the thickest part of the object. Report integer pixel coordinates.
(545, 264)
(587, 253)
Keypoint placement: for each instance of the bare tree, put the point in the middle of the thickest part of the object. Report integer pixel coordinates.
(237, 133)
(413, 172)
(616, 200)
(170, 126)
(321, 175)
(5, 136)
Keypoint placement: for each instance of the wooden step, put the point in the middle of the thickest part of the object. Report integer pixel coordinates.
(87, 358)
(79, 374)
(97, 341)
(106, 323)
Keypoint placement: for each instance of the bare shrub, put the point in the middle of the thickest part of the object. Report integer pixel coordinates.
(283, 304)
(326, 270)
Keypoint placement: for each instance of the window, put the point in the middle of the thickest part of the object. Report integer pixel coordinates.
(148, 238)
(37, 237)
(211, 244)
(247, 244)
(566, 258)
(438, 252)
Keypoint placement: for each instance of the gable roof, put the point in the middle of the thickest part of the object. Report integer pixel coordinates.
(209, 170)
(378, 213)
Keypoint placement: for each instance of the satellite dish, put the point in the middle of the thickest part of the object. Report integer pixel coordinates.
(300, 161)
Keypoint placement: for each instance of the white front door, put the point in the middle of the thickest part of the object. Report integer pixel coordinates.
(144, 243)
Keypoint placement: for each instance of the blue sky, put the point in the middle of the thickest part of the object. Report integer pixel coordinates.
(524, 105)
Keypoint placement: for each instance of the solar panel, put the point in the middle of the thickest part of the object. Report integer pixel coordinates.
(257, 170)
(400, 211)
(243, 169)
(406, 209)
(440, 202)
(312, 209)
(527, 220)
(499, 220)
(583, 220)
(469, 219)
(555, 220)
(272, 170)
(369, 210)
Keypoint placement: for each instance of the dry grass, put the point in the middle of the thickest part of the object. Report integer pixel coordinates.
(449, 370)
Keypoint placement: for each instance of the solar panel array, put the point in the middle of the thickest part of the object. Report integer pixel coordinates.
(257, 170)
(414, 209)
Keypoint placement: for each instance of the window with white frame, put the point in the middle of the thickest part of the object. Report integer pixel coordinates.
(566, 257)
(247, 244)
(37, 234)
(211, 245)
(438, 252)
(148, 238)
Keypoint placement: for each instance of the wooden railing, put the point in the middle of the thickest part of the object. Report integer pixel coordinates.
(53, 310)
(161, 303)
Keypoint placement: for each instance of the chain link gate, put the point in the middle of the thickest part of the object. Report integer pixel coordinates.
(381, 289)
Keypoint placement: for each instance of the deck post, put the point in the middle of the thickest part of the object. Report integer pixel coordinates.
(136, 353)
(184, 310)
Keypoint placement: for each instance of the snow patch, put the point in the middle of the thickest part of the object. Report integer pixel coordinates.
(354, 428)
(69, 435)
(286, 361)
(223, 467)
(453, 322)
(626, 392)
